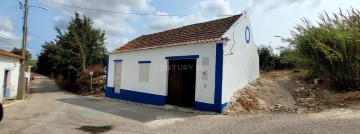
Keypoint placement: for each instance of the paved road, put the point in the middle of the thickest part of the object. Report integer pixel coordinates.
(50, 110)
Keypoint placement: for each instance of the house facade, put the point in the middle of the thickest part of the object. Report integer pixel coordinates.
(198, 66)
(9, 74)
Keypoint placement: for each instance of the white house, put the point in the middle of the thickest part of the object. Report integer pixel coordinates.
(9, 74)
(198, 66)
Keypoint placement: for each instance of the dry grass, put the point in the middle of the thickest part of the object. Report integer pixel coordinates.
(342, 97)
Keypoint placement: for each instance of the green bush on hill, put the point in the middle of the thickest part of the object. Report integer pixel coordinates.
(330, 50)
(270, 61)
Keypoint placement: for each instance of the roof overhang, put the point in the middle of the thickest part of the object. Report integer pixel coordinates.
(175, 44)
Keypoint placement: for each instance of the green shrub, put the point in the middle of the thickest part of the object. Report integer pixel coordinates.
(330, 50)
(270, 61)
(267, 58)
(288, 58)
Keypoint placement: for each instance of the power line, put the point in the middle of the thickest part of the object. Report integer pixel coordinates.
(37, 36)
(120, 12)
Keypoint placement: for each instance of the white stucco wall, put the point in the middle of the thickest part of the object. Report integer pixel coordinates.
(158, 73)
(242, 66)
(14, 65)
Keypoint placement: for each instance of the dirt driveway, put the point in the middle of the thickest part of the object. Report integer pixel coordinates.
(50, 110)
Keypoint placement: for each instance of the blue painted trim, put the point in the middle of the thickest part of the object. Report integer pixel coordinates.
(7, 92)
(8, 69)
(182, 57)
(247, 34)
(218, 76)
(107, 74)
(109, 92)
(142, 97)
(223, 106)
(201, 106)
(144, 62)
(154, 99)
(118, 60)
(135, 96)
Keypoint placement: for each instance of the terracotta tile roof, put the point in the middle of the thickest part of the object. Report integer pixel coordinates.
(203, 32)
(9, 54)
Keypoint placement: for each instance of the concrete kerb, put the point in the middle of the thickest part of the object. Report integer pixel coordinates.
(12, 103)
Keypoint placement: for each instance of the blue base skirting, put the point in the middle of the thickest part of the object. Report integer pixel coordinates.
(136, 96)
(154, 99)
(201, 106)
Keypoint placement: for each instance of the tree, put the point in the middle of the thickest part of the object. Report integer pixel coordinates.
(79, 46)
(18, 51)
(83, 42)
(50, 59)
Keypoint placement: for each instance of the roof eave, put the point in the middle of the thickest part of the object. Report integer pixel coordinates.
(171, 45)
(9, 56)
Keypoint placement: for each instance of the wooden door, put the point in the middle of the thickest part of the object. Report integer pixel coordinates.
(181, 82)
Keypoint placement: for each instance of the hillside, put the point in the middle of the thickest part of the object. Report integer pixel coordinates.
(287, 91)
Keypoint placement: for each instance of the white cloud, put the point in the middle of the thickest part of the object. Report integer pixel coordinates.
(161, 23)
(112, 23)
(61, 22)
(118, 27)
(116, 42)
(9, 36)
(6, 24)
(201, 9)
(217, 7)
(267, 5)
(115, 25)
(204, 10)
(8, 39)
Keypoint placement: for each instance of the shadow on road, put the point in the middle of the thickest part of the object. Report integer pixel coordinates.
(126, 110)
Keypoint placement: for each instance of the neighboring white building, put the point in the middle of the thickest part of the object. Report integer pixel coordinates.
(198, 66)
(9, 74)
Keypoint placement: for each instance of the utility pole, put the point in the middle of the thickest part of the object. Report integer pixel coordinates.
(22, 79)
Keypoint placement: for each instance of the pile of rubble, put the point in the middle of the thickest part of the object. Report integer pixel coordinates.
(309, 99)
(261, 96)
(285, 92)
(245, 101)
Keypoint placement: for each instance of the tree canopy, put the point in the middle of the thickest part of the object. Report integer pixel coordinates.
(18, 51)
(74, 49)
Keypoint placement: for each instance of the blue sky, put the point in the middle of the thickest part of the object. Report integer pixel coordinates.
(268, 17)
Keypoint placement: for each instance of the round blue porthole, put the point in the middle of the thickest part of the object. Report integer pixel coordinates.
(247, 34)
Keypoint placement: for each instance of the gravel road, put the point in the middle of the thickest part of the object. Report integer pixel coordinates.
(50, 110)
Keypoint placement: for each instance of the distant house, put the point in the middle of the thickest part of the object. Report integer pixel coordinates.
(9, 74)
(198, 66)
